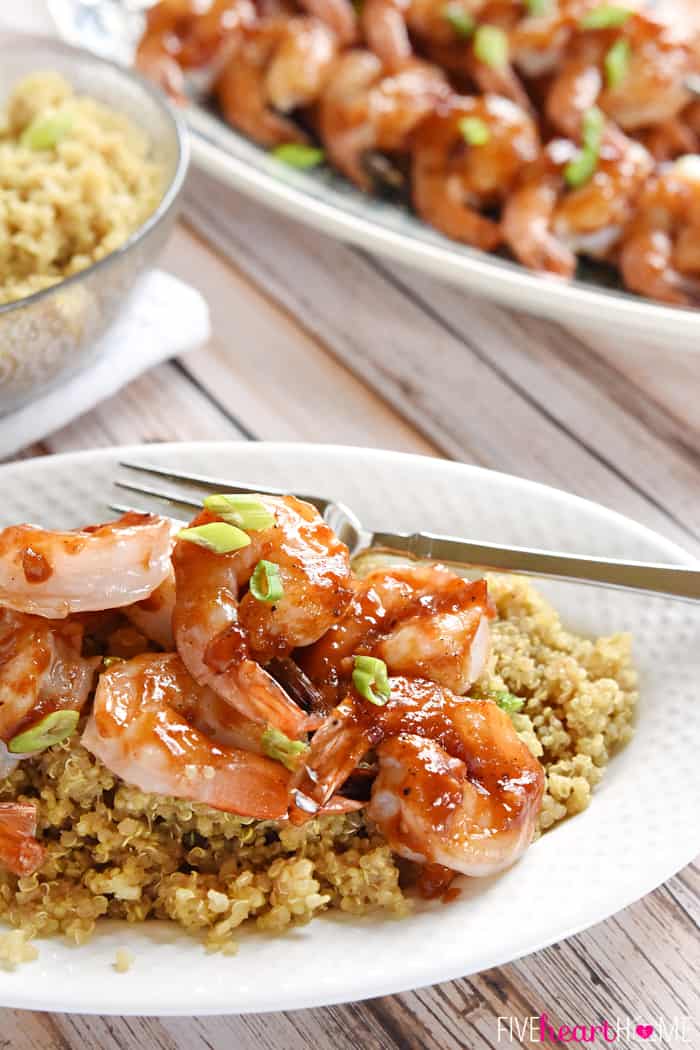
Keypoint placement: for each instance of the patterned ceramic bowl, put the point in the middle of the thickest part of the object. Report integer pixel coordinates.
(56, 332)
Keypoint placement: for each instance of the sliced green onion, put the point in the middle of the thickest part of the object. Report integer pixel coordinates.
(52, 729)
(606, 16)
(508, 702)
(474, 130)
(110, 661)
(46, 132)
(582, 168)
(491, 46)
(617, 62)
(243, 509)
(538, 7)
(461, 21)
(297, 155)
(371, 679)
(217, 536)
(266, 582)
(278, 746)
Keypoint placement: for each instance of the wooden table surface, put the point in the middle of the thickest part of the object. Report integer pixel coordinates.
(315, 341)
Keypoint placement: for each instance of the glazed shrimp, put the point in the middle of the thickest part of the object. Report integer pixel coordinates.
(421, 620)
(223, 635)
(545, 222)
(456, 786)
(137, 730)
(338, 15)
(153, 616)
(454, 181)
(364, 109)
(650, 89)
(41, 670)
(20, 852)
(660, 256)
(107, 566)
(186, 34)
(281, 65)
(674, 138)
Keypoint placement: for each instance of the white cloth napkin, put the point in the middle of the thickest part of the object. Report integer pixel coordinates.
(164, 318)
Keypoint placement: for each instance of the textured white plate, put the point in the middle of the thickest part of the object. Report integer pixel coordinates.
(641, 827)
(329, 203)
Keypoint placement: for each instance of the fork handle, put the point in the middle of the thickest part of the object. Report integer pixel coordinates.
(674, 581)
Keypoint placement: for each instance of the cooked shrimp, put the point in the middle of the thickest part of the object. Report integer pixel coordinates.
(107, 566)
(223, 637)
(455, 180)
(365, 109)
(660, 255)
(20, 852)
(137, 729)
(456, 786)
(545, 222)
(674, 138)
(41, 670)
(338, 15)
(650, 89)
(421, 620)
(387, 24)
(188, 34)
(154, 615)
(281, 65)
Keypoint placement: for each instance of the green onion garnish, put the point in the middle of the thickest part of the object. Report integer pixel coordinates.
(266, 583)
(217, 536)
(474, 130)
(580, 170)
(491, 46)
(606, 16)
(538, 7)
(278, 746)
(46, 132)
(461, 21)
(52, 729)
(110, 661)
(508, 702)
(617, 62)
(245, 510)
(371, 679)
(297, 155)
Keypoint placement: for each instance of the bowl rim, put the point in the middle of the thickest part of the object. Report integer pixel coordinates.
(172, 190)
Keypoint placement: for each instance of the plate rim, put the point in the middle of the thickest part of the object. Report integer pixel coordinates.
(499, 280)
(17, 994)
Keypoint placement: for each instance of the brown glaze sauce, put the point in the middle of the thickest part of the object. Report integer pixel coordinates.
(35, 566)
(367, 622)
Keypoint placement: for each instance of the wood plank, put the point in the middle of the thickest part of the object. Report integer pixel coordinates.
(585, 387)
(278, 379)
(449, 390)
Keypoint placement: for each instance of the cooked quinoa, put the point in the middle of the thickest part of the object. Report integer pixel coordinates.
(114, 851)
(64, 204)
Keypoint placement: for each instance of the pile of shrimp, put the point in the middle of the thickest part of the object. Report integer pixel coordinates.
(548, 129)
(248, 670)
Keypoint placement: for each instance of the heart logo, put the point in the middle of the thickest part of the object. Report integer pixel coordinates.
(644, 1031)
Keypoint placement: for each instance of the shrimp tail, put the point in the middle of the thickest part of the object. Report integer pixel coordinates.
(20, 852)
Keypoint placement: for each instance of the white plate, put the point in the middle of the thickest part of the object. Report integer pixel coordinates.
(330, 203)
(641, 827)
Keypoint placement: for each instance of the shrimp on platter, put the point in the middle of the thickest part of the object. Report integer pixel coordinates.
(466, 158)
(575, 201)
(281, 65)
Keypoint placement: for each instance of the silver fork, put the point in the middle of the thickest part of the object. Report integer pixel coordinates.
(673, 581)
